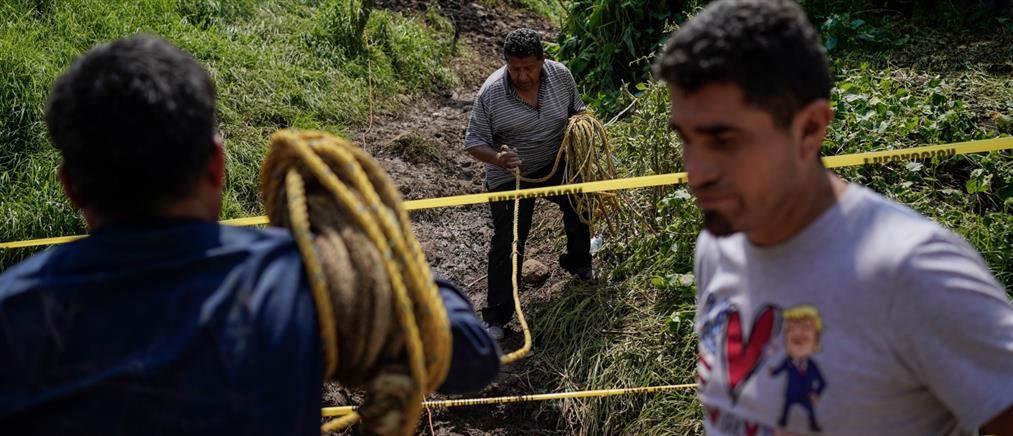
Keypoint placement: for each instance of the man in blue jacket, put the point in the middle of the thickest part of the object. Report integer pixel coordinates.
(163, 321)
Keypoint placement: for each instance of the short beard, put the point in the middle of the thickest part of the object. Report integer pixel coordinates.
(717, 224)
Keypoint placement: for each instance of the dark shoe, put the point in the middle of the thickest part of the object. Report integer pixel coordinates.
(582, 272)
(495, 331)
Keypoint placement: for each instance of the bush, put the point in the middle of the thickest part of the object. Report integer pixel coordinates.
(875, 110)
(608, 44)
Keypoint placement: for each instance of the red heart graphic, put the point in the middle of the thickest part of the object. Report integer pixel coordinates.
(744, 357)
(713, 413)
(751, 428)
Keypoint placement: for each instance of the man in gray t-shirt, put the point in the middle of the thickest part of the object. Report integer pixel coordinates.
(524, 105)
(823, 307)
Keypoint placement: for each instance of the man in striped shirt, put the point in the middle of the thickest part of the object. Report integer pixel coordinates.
(524, 105)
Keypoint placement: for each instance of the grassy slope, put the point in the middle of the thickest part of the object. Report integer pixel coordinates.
(276, 63)
(922, 81)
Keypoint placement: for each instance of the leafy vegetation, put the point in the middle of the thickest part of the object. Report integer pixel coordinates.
(607, 44)
(276, 64)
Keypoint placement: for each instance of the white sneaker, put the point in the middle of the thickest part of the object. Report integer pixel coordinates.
(495, 331)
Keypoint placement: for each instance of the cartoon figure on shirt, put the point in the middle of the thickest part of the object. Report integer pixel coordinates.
(802, 329)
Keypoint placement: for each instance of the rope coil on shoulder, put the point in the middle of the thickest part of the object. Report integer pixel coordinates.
(382, 322)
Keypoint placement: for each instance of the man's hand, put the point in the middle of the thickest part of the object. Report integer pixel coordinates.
(1001, 425)
(503, 158)
(507, 159)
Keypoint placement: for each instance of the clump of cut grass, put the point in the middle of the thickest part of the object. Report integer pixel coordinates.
(414, 148)
(554, 10)
(206, 13)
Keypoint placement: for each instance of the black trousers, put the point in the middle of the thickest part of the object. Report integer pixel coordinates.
(499, 303)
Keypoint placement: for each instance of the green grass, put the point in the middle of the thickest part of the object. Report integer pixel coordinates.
(620, 337)
(276, 64)
(553, 10)
(909, 87)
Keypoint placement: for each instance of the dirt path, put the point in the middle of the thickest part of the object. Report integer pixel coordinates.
(422, 151)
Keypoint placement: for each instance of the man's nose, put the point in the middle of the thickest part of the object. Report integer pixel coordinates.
(702, 170)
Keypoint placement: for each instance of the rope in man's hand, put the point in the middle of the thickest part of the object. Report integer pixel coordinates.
(514, 268)
(588, 158)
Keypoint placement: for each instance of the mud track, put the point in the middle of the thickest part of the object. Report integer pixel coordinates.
(422, 150)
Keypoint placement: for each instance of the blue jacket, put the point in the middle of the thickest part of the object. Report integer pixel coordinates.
(178, 327)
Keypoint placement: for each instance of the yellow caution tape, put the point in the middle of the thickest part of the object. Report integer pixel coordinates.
(43, 241)
(846, 160)
(248, 221)
(344, 410)
(918, 153)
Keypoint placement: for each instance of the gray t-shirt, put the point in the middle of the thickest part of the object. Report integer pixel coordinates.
(499, 117)
(873, 320)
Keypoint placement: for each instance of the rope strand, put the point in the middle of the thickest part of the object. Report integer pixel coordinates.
(589, 158)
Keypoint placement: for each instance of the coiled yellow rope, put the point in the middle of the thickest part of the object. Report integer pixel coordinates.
(588, 158)
(363, 263)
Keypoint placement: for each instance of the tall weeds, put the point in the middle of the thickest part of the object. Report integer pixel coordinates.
(276, 63)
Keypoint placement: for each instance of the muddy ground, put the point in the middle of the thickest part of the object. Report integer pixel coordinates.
(422, 150)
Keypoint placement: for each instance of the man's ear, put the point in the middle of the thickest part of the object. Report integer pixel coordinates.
(70, 189)
(216, 163)
(811, 127)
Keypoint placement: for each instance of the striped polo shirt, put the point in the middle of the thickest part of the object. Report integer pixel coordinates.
(500, 117)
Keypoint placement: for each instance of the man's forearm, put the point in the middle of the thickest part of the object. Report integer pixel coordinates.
(484, 153)
(506, 159)
(475, 359)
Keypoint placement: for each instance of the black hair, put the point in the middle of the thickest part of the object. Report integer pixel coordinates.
(522, 43)
(766, 47)
(134, 121)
